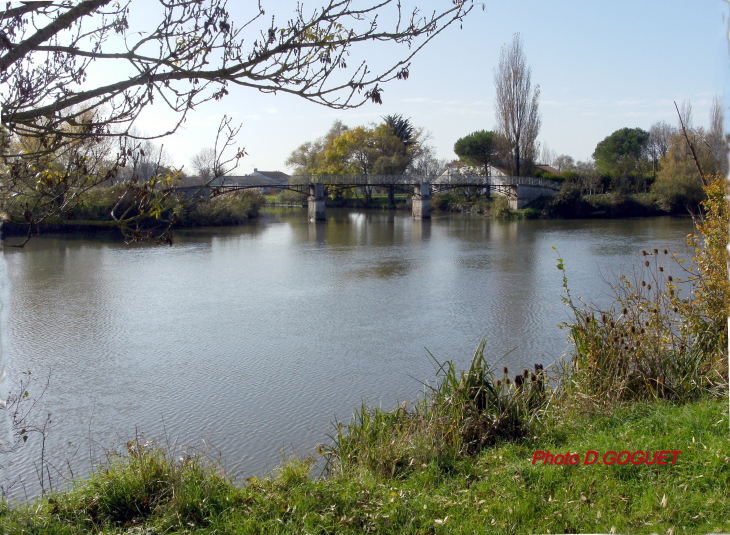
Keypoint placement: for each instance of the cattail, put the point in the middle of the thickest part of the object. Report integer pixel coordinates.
(665, 251)
(518, 380)
(603, 318)
(656, 251)
(643, 283)
(669, 278)
(656, 311)
(506, 370)
(648, 286)
(506, 381)
(624, 311)
(525, 374)
(646, 263)
(647, 323)
(538, 368)
(643, 252)
(661, 268)
(671, 293)
(588, 320)
(533, 378)
(642, 331)
(675, 309)
(633, 329)
(612, 324)
(499, 383)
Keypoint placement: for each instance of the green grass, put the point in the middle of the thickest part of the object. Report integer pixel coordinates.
(496, 491)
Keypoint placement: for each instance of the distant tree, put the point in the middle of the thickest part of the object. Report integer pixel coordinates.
(623, 157)
(563, 163)
(426, 163)
(204, 164)
(717, 139)
(478, 148)
(547, 155)
(660, 135)
(516, 104)
(309, 157)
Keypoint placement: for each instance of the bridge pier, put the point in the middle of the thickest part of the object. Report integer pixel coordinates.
(315, 202)
(422, 201)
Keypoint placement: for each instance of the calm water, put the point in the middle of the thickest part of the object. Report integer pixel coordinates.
(254, 339)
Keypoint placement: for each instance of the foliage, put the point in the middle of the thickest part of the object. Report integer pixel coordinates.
(478, 148)
(228, 209)
(466, 412)
(678, 186)
(665, 335)
(622, 155)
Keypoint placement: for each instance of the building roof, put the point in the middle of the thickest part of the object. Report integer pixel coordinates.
(548, 169)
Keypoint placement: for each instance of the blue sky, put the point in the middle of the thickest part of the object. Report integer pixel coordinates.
(601, 66)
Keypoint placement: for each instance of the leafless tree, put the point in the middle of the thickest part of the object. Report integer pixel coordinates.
(717, 139)
(203, 164)
(516, 104)
(547, 155)
(660, 137)
(195, 53)
(426, 163)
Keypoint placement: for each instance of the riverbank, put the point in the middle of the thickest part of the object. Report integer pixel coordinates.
(500, 490)
(94, 213)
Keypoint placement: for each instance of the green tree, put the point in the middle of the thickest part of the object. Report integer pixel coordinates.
(478, 148)
(623, 157)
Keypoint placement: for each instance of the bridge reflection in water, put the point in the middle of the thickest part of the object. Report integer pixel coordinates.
(519, 190)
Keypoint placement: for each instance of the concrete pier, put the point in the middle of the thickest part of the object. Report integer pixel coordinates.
(422, 201)
(315, 202)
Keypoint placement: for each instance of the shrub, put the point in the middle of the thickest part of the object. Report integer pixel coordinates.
(288, 196)
(228, 209)
(663, 337)
(466, 412)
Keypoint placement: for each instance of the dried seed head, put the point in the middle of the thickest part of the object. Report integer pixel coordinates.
(642, 331)
(647, 323)
(525, 374)
(499, 383)
(671, 293)
(518, 380)
(648, 286)
(588, 320)
(506, 370)
(643, 283)
(624, 311)
(665, 251)
(669, 278)
(633, 329)
(656, 251)
(643, 252)
(675, 309)
(603, 318)
(506, 381)
(646, 263)
(612, 324)
(533, 378)
(661, 268)
(538, 367)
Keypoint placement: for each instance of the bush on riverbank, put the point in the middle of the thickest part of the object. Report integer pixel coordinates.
(663, 337)
(230, 209)
(463, 414)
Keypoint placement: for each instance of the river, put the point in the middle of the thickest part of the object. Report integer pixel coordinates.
(249, 341)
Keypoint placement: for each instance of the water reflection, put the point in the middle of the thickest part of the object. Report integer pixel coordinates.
(256, 337)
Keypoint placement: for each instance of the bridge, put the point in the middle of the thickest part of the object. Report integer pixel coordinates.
(519, 190)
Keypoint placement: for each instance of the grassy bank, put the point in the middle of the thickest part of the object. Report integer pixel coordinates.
(496, 491)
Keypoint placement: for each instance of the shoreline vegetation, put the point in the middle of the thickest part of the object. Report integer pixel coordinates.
(647, 373)
(241, 207)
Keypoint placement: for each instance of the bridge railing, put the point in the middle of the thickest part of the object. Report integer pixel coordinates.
(436, 180)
